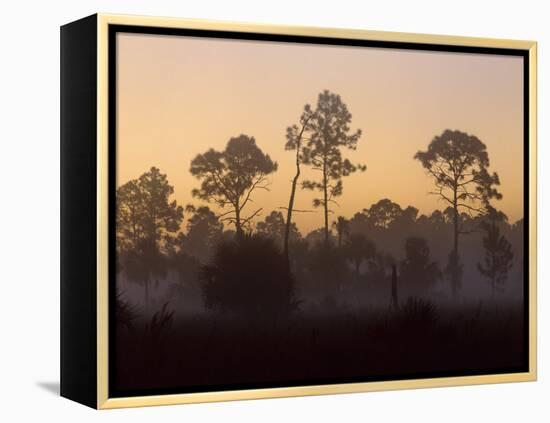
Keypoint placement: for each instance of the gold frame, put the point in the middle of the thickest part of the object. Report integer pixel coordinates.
(103, 400)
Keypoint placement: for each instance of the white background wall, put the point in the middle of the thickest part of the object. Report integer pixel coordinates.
(29, 209)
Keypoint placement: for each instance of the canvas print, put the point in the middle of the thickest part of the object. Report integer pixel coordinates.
(292, 213)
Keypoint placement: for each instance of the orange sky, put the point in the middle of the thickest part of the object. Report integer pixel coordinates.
(179, 96)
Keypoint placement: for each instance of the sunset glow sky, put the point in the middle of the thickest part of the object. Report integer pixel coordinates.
(179, 96)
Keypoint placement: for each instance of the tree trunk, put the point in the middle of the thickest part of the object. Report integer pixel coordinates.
(394, 298)
(293, 192)
(291, 199)
(238, 227)
(454, 269)
(147, 291)
(455, 226)
(325, 197)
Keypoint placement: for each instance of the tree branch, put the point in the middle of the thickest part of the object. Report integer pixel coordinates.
(249, 218)
(255, 185)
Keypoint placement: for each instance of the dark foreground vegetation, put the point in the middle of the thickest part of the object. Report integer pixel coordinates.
(334, 345)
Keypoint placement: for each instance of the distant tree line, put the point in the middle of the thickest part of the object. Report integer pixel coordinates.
(241, 258)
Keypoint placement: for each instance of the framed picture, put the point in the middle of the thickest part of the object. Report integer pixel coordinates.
(259, 211)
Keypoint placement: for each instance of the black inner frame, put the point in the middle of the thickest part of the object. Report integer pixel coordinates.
(112, 101)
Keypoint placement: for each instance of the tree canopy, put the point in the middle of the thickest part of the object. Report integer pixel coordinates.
(229, 177)
(145, 212)
(273, 226)
(498, 260)
(384, 212)
(417, 269)
(328, 134)
(342, 228)
(458, 164)
(358, 248)
(204, 231)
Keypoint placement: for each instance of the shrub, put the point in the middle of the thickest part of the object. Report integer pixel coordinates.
(126, 313)
(418, 312)
(248, 276)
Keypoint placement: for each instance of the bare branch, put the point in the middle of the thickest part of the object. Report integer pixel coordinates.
(255, 185)
(298, 210)
(440, 193)
(226, 213)
(249, 218)
(479, 210)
